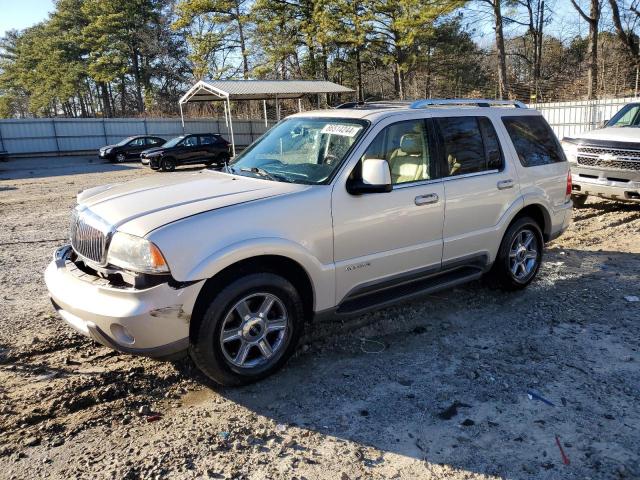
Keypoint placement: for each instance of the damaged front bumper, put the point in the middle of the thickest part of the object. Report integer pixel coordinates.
(153, 322)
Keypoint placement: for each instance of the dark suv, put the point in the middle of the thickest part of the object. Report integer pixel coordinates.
(205, 148)
(128, 148)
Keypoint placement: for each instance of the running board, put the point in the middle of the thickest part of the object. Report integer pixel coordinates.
(355, 305)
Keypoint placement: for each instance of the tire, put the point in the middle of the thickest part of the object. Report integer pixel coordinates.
(579, 200)
(511, 252)
(221, 359)
(168, 164)
(121, 158)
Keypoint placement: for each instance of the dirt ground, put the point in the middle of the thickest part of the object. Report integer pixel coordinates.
(436, 388)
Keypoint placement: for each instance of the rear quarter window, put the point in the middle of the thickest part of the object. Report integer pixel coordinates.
(534, 141)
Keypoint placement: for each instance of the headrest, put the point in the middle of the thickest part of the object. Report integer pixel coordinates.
(411, 144)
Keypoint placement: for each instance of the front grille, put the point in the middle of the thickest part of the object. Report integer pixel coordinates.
(89, 236)
(614, 158)
(609, 164)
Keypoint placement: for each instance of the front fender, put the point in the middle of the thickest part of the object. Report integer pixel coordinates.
(322, 276)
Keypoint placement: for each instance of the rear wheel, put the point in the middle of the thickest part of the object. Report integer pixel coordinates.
(579, 200)
(249, 330)
(519, 256)
(168, 164)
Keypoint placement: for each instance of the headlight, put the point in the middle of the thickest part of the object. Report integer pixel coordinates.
(108, 150)
(136, 254)
(571, 151)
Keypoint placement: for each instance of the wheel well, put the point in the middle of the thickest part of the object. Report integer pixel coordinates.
(540, 215)
(279, 265)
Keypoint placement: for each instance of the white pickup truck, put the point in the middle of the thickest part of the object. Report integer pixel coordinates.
(606, 162)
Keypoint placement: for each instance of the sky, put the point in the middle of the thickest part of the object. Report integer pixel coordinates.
(19, 14)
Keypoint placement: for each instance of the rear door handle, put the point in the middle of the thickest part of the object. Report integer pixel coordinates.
(426, 199)
(504, 184)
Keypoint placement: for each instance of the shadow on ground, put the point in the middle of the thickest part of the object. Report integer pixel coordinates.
(43, 167)
(451, 387)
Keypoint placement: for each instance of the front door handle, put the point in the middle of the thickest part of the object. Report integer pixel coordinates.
(504, 184)
(426, 199)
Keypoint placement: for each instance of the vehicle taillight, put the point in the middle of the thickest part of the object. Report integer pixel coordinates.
(569, 184)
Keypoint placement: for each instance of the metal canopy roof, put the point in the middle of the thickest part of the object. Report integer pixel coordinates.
(219, 90)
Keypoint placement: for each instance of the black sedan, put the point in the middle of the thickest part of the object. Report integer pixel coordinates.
(203, 148)
(130, 147)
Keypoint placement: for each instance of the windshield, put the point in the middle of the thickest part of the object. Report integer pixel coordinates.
(174, 141)
(628, 116)
(122, 143)
(300, 150)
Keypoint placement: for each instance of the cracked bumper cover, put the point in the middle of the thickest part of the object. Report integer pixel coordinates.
(153, 322)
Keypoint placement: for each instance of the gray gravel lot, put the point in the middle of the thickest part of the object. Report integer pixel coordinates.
(436, 388)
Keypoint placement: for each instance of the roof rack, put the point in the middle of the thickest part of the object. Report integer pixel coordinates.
(373, 104)
(477, 102)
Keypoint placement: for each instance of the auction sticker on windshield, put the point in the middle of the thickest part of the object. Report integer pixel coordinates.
(344, 130)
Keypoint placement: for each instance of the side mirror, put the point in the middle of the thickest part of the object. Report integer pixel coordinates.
(604, 123)
(375, 177)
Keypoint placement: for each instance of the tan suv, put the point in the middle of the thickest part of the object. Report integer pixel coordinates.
(331, 212)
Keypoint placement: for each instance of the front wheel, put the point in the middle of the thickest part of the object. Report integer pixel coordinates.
(120, 158)
(519, 256)
(249, 330)
(168, 164)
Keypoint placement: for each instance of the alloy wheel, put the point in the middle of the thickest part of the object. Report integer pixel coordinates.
(254, 332)
(523, 254)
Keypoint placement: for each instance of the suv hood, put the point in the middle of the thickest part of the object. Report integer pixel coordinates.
(140, 206)
(612, 134)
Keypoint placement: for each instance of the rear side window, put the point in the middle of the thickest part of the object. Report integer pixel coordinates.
(207, 140)
(468, 145)
(535, 142)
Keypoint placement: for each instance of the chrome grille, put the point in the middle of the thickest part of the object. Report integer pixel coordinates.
(609, 158)
(89, 236)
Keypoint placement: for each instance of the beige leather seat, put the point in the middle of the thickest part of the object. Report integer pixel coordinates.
(408, 163)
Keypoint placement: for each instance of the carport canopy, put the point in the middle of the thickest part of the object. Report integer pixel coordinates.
(235, 90)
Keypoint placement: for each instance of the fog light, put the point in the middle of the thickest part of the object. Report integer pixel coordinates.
(121, 334)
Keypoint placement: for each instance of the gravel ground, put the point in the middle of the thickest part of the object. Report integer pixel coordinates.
(436, 388)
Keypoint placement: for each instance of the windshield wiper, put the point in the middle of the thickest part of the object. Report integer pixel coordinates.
(263, 173)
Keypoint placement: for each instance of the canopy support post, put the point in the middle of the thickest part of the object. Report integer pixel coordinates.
(181, 116)
(233, 142)
(264, 107)
(299, 105)
(277, 109)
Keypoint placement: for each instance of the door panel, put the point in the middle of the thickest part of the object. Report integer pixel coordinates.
(382, 235)
(480, 186)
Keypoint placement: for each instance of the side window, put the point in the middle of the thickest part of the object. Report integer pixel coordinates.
(153, 141)
(405, 146)
(207, 140)
(495, 159)
(190, 141)
(534, 141)
(462, 145)
(138, 142)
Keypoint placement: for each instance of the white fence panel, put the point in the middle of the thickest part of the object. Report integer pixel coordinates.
(568, 119)
(69, 135)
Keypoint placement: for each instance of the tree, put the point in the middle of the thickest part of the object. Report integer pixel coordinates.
(219, 25)
(592, 20)
(495, 6)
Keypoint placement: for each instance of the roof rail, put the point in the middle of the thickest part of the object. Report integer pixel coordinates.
(478, 102)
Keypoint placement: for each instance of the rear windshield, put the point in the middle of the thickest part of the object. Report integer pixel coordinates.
(535, 142)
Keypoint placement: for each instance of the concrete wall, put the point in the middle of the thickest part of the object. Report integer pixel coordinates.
(44, 136)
